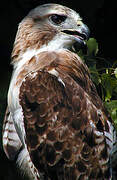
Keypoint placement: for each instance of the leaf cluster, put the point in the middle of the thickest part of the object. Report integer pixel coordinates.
(104, 76)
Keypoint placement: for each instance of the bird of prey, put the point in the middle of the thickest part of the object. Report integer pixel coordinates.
(56, 126)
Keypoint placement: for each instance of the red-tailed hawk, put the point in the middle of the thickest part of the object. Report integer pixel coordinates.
(56, 126)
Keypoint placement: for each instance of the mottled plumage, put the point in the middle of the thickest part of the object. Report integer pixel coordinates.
(57, 122)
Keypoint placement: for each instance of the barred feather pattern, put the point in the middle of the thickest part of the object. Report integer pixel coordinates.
(68, 132)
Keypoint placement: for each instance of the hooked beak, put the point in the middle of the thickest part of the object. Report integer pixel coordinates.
(79, 34)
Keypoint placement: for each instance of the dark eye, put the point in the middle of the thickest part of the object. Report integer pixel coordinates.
(57, 19)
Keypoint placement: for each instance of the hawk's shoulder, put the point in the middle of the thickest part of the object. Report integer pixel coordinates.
(65, 121)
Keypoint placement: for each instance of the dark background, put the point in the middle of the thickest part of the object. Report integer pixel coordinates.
(100, 17)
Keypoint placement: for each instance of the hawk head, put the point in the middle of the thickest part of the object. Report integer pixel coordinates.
(51, 25)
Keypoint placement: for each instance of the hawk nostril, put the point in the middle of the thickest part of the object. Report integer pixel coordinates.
(78, 25)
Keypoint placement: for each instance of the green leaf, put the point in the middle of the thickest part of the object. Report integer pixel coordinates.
(92, 47)
(114, 115)
(111, 105)
(112, 108)
(115, 72)
(94, 75)
(109, 84)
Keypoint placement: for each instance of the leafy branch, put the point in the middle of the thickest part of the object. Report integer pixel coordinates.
(104, 76)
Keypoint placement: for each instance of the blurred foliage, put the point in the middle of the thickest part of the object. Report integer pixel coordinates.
(104, 76)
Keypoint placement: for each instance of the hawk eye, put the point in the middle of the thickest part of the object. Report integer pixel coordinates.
(58, 19)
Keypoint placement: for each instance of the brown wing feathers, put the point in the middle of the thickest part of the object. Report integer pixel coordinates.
(64, 133)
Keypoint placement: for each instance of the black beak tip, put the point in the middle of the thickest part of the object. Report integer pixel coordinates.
(87, 34)
(86, 31)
